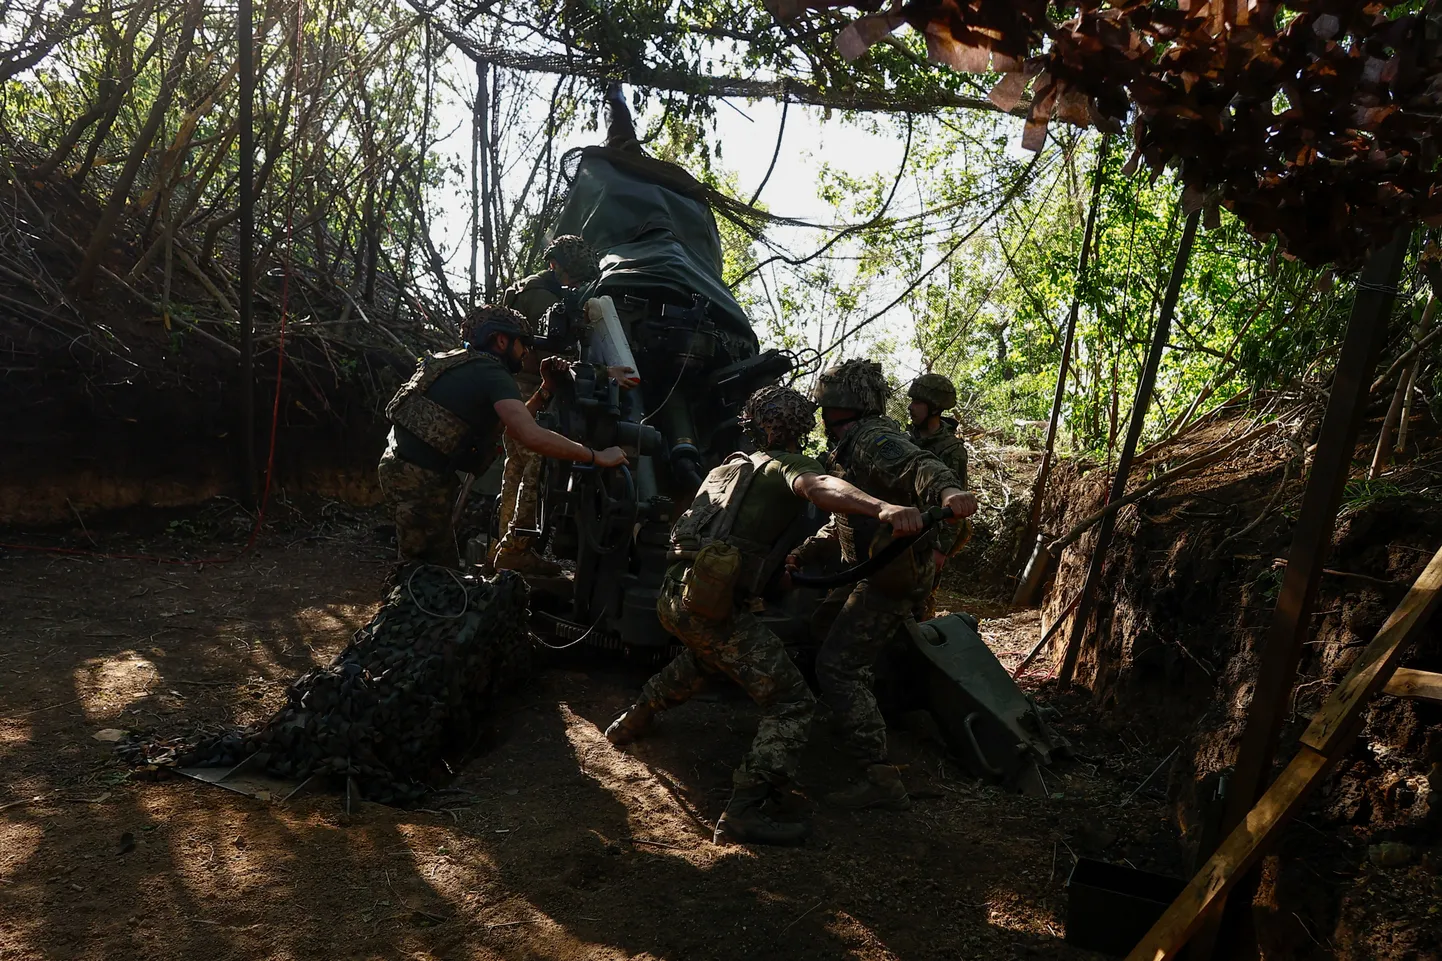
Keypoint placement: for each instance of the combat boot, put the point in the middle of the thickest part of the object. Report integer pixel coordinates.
(635, 723)
(881, 787)
(526, 562)
(745, 821)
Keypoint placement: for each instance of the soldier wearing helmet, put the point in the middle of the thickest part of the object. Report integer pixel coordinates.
(571, 264)
(931, 396)
(448, 417)
(873, 453)
(725, 556)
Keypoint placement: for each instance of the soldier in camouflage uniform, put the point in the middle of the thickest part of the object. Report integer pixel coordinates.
(931, 396)
(746, 505)
(571, 263)
(447, 418)
(874, 454)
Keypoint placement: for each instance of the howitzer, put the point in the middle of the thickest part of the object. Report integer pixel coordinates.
(662, 308)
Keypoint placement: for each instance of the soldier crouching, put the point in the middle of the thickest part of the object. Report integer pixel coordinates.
(725, 545)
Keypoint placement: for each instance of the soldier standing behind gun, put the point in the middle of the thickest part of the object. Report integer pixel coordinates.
(446, 419)
(931, 396)
(571, 263)
(872, 453)
(725, 549)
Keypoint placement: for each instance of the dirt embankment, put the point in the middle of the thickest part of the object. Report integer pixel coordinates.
(1186, 600)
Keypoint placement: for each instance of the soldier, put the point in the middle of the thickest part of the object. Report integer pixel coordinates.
(570, 263)
(739, 515)
(446, 419)
(931, 395)
(871, 452)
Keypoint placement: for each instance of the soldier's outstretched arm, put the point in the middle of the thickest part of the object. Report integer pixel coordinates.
(837, 496)
(521, 425)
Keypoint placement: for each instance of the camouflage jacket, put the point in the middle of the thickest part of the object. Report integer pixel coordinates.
(533, 296)
(951, 451)
(877, 456)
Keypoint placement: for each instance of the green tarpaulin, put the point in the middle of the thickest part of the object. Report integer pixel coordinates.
(652, 229)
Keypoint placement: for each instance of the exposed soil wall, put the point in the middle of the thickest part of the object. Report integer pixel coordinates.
(1188, 591)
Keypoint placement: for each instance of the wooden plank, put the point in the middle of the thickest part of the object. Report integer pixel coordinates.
(1325, 741)
(1416, 685)
(1376, 664)
(1280, 654)
(1242, 849)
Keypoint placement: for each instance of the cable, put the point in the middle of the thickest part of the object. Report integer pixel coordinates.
(465, 593)
(589, 631)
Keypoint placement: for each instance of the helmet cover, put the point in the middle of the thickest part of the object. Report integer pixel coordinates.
(777, 415)
(935, 390)
(858, 385)
(486, 321)
(575, 256)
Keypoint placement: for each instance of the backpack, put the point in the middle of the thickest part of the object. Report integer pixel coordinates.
(703, 536)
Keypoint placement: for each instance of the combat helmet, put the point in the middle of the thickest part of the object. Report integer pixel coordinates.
(858, 385)
(777, 415)
(486, 321)
(936, 391)
(575, 256)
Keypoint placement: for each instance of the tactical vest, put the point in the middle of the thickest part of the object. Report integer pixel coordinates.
(435, 425)
(712, 515)
(946, 446)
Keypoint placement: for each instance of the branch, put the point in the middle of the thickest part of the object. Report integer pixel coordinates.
(711, 85)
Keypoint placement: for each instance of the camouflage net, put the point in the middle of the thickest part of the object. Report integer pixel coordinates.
(412, 685)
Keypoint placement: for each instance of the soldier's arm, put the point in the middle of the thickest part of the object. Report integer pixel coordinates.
(822, 544)
(837, 496)
(923, 473)
(521, 425)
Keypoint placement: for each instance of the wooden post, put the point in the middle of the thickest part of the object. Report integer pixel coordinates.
(247, 243)
(1311, 542)
(1033, 521)
(1140, 404)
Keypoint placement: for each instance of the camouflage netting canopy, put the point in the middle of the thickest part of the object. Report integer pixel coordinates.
(411, 688)
(1315, 121)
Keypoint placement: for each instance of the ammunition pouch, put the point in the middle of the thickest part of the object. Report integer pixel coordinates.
(721, 565)
(708, 588)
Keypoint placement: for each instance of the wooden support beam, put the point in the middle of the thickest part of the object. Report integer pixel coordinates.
(1140, 404)
(1311, 543)
(1415, 685)
(1326, 742)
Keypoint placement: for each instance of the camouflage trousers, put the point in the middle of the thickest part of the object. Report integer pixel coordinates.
(745, 650)
(862, 621)
(520, 480)
(422, 501)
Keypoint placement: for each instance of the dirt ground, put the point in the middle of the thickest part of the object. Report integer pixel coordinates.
(548, 844)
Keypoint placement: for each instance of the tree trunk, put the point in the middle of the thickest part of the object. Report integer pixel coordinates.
(85, 275)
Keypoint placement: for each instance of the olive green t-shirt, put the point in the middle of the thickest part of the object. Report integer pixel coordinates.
(471, 392)
(771, 503)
